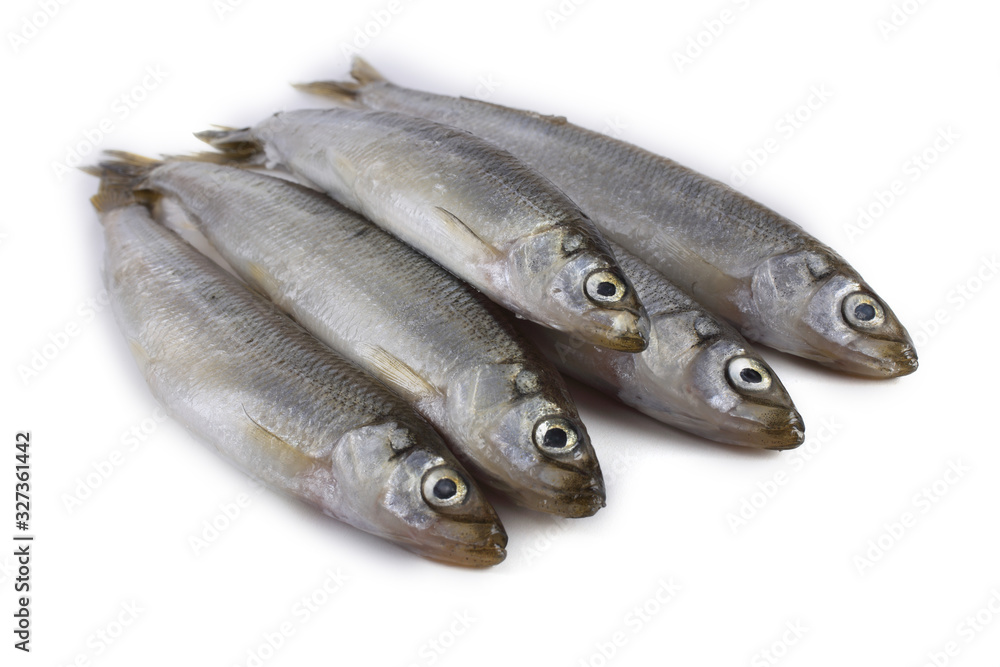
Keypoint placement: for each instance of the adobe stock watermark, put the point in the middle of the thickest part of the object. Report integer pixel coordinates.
(614, 127)
(302, 611)
(711, 29)
(955, 300)
(223, 8)
(617, 466)
(634, 621)
(101, 640)
(921, 504)
(366, 33)
(750, 505)
(486, 86)
(786, 127)
(130, 441)
(122, 106)
(899, 15)
(226, 515)
(910, 172)
(558, 14)
(773, 654)
(535, 547)
(437, 646)
(31, 25)
(56, 342)
(966, 632)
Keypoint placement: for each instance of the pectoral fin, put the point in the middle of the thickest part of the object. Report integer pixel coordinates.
(458, 229)
(284, 455)
(262, 281)
(398, 375)
(139, 352)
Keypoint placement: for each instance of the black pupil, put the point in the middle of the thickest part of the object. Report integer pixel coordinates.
(750, 375)
(445, 488)
(605, 288)
(864, 312)
(555, 438)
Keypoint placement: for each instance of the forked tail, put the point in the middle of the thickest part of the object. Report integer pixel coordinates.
(346, 93)
(237, 148)
(122, 180)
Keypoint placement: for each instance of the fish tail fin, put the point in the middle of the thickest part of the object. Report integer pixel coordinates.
(237, 147)
(346, 93)
(122, 180)
(343, 94)
(108, 198)
(364, 73)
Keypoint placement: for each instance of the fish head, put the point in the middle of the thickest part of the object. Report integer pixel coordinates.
(574, 279)
(817, 307)
(400, 481)
(709, 382)
(527, 437)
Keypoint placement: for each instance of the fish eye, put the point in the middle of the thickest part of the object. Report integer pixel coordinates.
(748, 374)
(605, 286)
(443, 487)
(863, 311)
(555, 435)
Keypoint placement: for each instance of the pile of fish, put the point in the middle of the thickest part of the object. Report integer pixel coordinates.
(365, 361)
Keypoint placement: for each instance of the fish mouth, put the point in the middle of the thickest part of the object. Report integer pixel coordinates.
(789, 435)
(486, 551)
(491, 551)
(621, 330)
(774, 430)
(900, 360)
(582, 501)
(904, 363)
(630, 342)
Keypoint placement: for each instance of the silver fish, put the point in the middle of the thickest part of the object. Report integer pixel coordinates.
(468, 205)
(777, 284)
(698, 373)
(281, 405)
(449, 351)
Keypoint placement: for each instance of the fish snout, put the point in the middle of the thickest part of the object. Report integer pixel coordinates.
(624, 330)
(905, 362)
(886, 359)
(766, 427)
(569, 493)
(787, 434)
(481, 544)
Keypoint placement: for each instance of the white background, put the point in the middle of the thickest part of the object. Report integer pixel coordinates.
(568, 589)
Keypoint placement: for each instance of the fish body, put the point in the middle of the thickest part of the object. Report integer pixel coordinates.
(279, 404)
(698, 373)
(439, 344)
(776, 283)
(471, 207)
